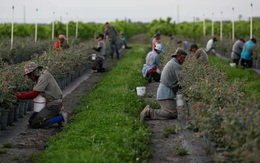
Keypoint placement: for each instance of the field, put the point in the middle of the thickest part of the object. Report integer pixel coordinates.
(104, 123)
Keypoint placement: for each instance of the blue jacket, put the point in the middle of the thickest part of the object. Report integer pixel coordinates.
(248, 50)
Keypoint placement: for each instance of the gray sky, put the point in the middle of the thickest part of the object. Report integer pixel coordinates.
(136, 10)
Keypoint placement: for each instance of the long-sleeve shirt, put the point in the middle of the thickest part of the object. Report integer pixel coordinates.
(171, 74)
(111, 32)
(152, 61)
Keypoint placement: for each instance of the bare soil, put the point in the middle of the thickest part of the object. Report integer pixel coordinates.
(164, 149)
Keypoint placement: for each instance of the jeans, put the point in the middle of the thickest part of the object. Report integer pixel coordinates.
(113, 44)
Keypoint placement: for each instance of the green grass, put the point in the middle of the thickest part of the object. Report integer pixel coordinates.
(249, 77)
(170, 130)
(3, 151)
(8, 145)
(181, 151)
(105, 126)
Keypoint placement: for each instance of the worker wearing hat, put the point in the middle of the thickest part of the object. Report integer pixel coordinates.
(101, 51)
(155, 40)
(46, 86)
(61, 43)
(151, 67)
(199, 53)
(167, 90)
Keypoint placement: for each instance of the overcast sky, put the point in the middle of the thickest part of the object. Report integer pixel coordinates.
(136, 10)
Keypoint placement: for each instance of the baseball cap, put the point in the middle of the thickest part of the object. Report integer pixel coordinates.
(100, 35)
(62, 37)
(159, 47)
(193, 46)
(179, 51)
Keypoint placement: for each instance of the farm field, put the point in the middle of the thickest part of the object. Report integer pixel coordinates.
(104, 110)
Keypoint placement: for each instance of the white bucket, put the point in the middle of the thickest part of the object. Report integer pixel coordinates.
(141, 91)
(123, 46)
(39, 103)
(93, 56)
(179, 101)
(232, 64)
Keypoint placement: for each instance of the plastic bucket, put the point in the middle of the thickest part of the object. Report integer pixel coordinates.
(93, 56)
(39, 103)
(232, 64)
(141, 91)
(179, 101)
(123, 46)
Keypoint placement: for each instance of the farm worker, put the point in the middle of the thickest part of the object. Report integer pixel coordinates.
(210, 45)
(61, 43)
(184, 44)
(156, 39)
(199, 53)
(237, 50)
(101, 51)
(151, 67)
(168, 87)
(124, 41)
(46, 86)
(248, 51)
(112, 34)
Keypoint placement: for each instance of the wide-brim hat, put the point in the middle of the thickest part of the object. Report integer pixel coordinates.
(30, 67)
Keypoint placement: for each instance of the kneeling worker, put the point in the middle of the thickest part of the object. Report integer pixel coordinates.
(46, 86)
(166, 92)
(101, 49)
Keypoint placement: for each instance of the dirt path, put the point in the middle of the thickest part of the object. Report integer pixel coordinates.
(165, 149)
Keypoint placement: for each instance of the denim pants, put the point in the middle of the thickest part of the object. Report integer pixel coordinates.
(113, 44)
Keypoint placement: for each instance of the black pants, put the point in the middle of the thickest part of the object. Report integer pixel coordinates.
(153, 76)
(42, 119)
(236, 61)
(246, 63)
(98, 65)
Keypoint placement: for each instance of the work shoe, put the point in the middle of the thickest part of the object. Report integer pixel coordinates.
(65, 117)
(145, 113)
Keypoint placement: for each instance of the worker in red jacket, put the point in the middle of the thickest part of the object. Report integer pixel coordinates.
(61, 43)
(46, 86)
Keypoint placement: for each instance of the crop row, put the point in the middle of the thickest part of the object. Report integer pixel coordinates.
(65, 67)
(221, 110)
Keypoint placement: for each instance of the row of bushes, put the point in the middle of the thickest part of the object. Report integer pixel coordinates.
(221, 110)
(85, 30)
(25, 47)
(195, 29)
(63, 65)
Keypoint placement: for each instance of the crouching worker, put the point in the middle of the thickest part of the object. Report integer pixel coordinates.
(101, 49)
(168, 87)
(46, 86)
(151, 69)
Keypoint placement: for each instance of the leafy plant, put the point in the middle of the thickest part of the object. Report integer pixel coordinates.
(181, 151)
(3, 151)
(8, 145)
(170, 130)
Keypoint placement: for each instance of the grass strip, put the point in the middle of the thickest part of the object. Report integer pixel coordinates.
(249, 77)
(105, 126)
